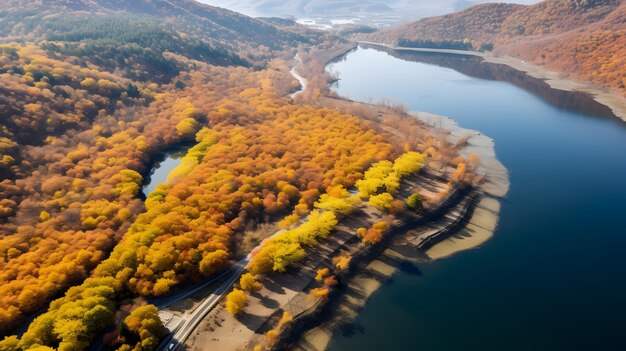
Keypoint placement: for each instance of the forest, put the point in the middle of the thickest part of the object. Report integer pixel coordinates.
(582, 39)
(88, 101)
(92, 92)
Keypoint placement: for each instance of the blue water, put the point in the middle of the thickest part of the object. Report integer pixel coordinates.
(554, 275)
(163, 166)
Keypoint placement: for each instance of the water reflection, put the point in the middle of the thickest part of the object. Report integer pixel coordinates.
(475, 67)
(552, 277)
(161, 167)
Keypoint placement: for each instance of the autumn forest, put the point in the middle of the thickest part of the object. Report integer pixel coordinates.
(88, 103)
(582, 39)
(284, 192)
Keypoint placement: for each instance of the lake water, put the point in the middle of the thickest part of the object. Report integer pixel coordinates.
(554, 275)
(165, 163)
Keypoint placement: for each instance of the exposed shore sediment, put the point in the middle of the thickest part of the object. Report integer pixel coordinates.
(436, 234)
(468, 225)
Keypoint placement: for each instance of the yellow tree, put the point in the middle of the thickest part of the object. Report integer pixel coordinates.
(235, 301)
(248, 282)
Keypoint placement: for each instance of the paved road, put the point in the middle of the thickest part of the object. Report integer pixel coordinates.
(191, 321)
(164, 302)
(303, 81)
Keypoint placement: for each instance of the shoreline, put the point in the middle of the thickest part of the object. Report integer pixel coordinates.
(468, 225)
(615, 102)
(431, 231)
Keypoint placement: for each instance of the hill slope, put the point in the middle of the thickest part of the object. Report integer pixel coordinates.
(222, 34)
(584, 39)
(218, 23)
(91, 92)
(136, 41)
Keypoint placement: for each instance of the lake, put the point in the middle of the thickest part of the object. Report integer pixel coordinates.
(554, 275)
(163, 165)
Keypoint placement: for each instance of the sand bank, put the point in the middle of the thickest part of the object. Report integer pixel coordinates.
(480, 226)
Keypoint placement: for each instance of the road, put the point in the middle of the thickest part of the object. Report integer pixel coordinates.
(303, 81)
(191, 320)
(163, 302)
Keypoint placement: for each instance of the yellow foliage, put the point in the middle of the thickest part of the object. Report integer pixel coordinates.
(44, 216)
(286, 248)
(235, 301)
(284, 320)
(249, 283)
(408, 163)
(322, 273)
(89, 83)
(320, 292)
(187, 128)
(337, 200)
(288, 221)
(361, 232)
(382, 202)
(213, 262)
(342, 262)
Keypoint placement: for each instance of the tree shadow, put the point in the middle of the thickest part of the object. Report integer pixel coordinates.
(349, 330)
(251, 321)
(269, 303)
(273, 286)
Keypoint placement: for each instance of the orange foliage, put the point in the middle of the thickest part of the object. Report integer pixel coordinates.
(579, 38)
(322, 273)
(342, 262)
(374, 234)
(256, 157)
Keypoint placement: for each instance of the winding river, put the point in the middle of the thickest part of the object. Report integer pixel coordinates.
(554, 275)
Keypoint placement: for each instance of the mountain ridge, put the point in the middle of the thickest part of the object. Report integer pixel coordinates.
(581, 39)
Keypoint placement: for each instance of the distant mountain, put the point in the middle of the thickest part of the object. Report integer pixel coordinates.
(584, 39)
(371, 11)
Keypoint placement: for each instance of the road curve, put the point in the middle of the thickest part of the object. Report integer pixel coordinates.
(190, 321)
(303, 81)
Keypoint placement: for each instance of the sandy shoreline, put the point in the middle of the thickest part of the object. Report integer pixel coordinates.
(286, 292)
(480, 227)
(612, 100)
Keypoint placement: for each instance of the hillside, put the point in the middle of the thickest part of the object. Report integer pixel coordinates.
(91, 91)
(128, 44)
(218, 23)
(94, 92)
(206, 27)
(583, 39)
